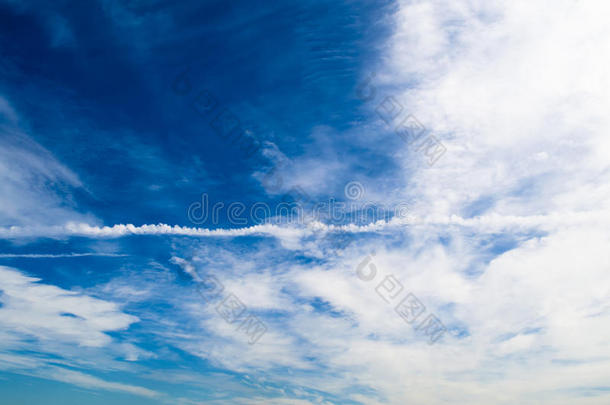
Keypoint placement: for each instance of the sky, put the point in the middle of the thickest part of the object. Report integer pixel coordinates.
(305, 203)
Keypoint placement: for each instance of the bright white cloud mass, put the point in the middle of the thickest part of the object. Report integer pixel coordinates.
(106, 286)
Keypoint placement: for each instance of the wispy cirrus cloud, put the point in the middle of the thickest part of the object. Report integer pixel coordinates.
(35, 187)
(55, 312)
(506, 238)
(60, 326)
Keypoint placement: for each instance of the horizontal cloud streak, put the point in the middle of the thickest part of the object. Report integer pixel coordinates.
(492, 222)
(53, 256)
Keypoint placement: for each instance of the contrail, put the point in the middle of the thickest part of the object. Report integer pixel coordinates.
(51, 256)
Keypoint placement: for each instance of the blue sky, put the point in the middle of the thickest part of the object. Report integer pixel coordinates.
(314, 202)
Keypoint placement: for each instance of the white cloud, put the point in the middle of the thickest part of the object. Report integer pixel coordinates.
(501, 84)
(518, 91)
(55, 313)
(88, 381)
(35, 188)
(55, 256)
(64, 328)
